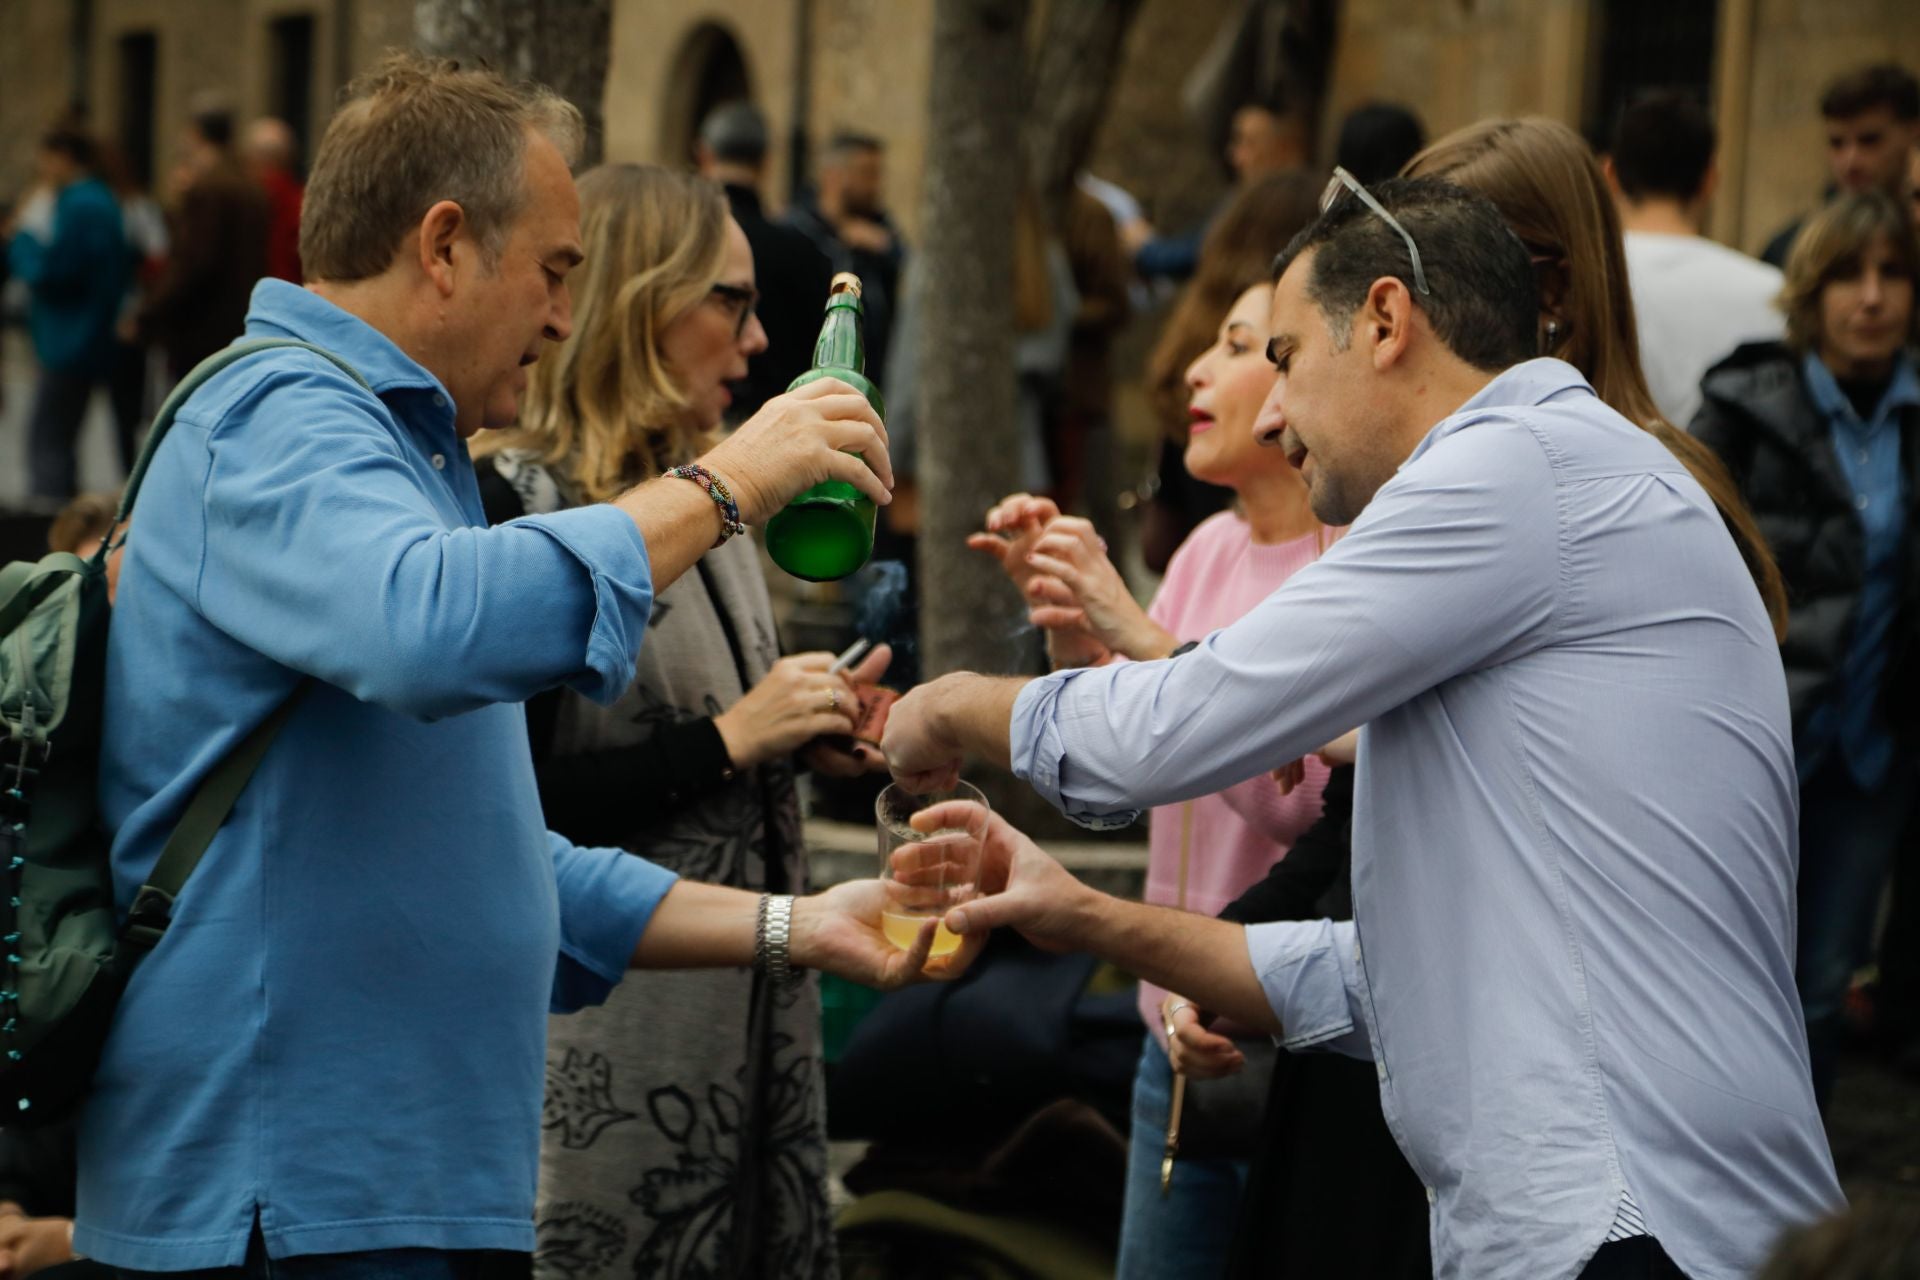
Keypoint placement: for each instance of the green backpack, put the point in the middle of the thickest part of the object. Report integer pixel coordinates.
(67, 960)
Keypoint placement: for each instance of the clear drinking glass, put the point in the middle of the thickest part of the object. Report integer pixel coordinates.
(928, 873)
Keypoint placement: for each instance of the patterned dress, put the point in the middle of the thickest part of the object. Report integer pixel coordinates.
(647, 1097)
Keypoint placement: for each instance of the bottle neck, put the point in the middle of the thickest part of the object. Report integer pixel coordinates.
(840, 345)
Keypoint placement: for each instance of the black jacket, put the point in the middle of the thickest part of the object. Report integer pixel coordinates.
(793, 276)
(1757, 415)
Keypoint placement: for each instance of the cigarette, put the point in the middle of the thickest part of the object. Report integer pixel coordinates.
(854, 652)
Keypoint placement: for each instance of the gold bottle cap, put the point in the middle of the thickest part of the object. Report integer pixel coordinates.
(844, 282)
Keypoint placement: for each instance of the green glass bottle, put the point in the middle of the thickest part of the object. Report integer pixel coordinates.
(827, 532)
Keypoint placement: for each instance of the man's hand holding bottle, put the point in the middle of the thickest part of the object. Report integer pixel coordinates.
(797, 440)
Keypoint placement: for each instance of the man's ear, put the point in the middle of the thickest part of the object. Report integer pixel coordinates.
(1386, 320)
(440, 229)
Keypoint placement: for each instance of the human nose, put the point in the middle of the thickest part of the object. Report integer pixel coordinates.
(560, 316)
(753, 340)
(1873, 291)
(1271, 421)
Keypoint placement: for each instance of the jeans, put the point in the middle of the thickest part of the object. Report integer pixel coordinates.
(1187, 1234)
(373, 1264)
(60, 408)
(1847, 842)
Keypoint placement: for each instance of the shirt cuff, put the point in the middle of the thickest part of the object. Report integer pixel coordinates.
(1308, 970)
(607, 899)
(1038, 752)
(608, 545)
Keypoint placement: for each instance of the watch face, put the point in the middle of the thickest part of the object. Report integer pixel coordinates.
(1188, 647)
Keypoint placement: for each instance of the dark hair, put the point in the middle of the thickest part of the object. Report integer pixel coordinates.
(736, 132)
(1377, 140)
(214, 127)
(845, 141)
(1663, 146)
(1236, 255)
(73, 144)
(1882, 85)
(1483, 302)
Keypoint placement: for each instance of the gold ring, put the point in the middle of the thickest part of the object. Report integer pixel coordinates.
(833, 700)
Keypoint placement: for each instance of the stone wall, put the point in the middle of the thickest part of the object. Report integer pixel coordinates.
(34, 72)
(867, 65)
(1797, 47)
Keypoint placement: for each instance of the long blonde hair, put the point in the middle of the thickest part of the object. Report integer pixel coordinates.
(1548, 187)
(603, 409)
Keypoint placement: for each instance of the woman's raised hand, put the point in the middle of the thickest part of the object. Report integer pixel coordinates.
(1079, 588)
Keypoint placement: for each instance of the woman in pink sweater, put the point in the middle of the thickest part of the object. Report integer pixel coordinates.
(1204, 852)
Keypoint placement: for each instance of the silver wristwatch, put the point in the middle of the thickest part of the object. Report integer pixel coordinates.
(773, 937)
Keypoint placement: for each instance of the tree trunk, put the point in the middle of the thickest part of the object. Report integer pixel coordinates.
(968, 429)
(562, 44)
(1070, 76)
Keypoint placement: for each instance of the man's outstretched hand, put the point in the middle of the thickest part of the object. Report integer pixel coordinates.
(1024, 889)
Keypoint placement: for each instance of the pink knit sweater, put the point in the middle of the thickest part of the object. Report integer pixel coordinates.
(1233, 836)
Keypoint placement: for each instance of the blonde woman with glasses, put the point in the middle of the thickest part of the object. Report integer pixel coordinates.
(681, 1137)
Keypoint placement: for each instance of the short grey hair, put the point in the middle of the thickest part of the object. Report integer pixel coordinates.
(735, 132)
(415, 131)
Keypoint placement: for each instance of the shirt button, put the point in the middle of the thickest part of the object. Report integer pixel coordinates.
(439, 462)
(1860, 503)
(439, 401)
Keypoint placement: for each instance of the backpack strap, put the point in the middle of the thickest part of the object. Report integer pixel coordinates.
(206, 813)
(220, 790)
(196, 378)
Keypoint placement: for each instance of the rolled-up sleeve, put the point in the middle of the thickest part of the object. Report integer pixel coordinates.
(1310, 971)
(322, 551)
(1453, 565)
(607, 899)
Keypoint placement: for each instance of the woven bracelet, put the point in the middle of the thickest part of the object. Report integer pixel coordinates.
(717, 490)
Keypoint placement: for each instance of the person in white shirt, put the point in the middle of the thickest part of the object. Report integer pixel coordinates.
(1694, 300)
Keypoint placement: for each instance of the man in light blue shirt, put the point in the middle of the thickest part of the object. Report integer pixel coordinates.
(1573, 870)
(337, 1048)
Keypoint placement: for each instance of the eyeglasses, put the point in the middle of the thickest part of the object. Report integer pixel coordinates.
(741, 299)
(1342, 180)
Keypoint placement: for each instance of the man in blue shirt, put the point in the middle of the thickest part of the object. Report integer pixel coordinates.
(1571, 957)
(77, 272)
(337, 1049)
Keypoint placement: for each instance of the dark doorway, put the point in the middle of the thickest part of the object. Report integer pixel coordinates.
(136, 58)
(1644, 45)
(290, 89)
(709, 71)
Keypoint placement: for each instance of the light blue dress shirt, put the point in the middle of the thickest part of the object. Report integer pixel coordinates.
(1573, 867)
(344, 1030)
(1869, 454)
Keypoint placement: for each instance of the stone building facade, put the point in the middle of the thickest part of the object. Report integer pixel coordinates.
(818, 65)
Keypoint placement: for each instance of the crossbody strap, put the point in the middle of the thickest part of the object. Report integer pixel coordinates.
(206, 813)
(220, 790)
(196, 378)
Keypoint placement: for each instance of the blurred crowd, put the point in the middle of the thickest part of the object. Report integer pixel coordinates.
(686, 1117)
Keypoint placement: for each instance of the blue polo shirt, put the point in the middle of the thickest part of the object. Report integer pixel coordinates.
(1869, 453)
(343, 1032)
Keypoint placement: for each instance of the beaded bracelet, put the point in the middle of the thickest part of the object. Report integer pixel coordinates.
(717, 490)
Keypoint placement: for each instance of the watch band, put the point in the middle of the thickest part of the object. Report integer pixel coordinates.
(1188, 647)
(773, 937)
